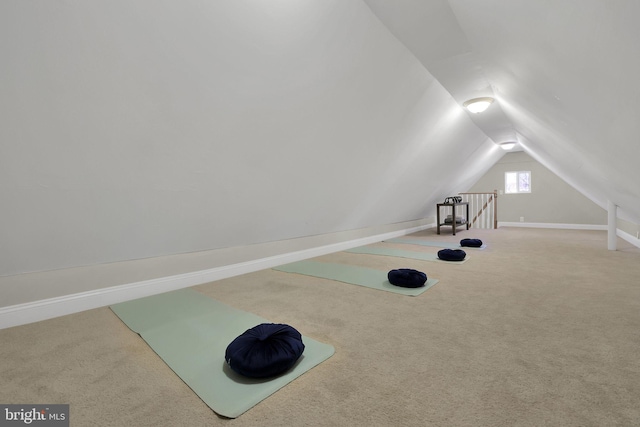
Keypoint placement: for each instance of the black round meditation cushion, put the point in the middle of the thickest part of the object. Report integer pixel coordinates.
(472, 243)
(265, 350)
(452, 254)
(407, 278)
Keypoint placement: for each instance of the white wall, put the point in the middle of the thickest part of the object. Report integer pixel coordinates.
(551, 199)
(139, 129)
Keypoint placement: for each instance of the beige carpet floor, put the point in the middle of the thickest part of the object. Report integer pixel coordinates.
(542, 328)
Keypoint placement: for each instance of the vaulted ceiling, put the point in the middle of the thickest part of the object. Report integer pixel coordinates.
(138, 129)
(564, 74)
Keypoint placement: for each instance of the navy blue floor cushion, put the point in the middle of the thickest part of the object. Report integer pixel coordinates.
(407, 278)
(472, 243)
(265, 350)
(452, 254)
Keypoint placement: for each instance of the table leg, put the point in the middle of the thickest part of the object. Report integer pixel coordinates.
(454, 222)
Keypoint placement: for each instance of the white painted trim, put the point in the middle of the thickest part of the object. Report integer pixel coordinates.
(553, 225)
(612, 225)
(36, 311)
(628, 237)
(622, 234)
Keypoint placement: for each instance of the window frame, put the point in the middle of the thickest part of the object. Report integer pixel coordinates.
(518, 190)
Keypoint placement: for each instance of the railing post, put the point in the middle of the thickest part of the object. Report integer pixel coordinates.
(495, 209)
(612, 216)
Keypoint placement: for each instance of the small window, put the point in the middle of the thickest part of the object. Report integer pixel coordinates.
(517, 182)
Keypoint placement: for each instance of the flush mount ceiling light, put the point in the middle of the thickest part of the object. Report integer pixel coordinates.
(507, 145)
(478, 105)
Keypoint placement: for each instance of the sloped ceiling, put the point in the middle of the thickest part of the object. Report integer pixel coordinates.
(564, 73)
(137, 129)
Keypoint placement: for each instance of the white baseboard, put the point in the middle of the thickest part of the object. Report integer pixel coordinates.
(553, 225)
(628, 237)
(622, 234)
(36, 311)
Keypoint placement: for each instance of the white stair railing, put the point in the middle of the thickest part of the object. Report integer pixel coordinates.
(483, 209)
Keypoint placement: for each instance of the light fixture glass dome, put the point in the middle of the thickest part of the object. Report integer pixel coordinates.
(507, 145)
(478, 105)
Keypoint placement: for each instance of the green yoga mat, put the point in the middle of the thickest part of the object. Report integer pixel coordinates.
(378, 250)
(446, 245)
(353, 275)
(191, 332)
